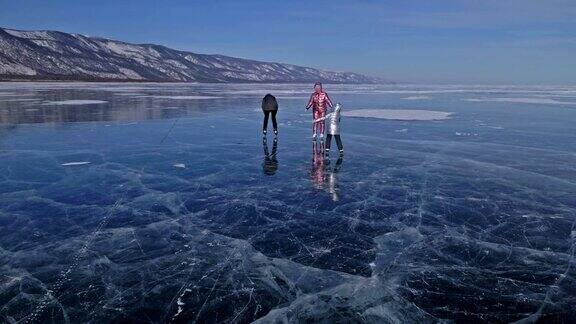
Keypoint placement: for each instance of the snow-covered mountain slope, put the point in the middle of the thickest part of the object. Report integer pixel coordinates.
(57, 55)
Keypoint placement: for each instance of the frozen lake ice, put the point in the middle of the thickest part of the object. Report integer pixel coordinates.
(161, 203)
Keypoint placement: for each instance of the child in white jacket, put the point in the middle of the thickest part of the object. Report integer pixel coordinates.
(333, 128)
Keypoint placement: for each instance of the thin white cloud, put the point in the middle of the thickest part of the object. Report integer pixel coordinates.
(540, 42)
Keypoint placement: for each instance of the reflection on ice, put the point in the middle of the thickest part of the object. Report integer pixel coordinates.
(332, 185)
(324, 175)
(270, 164)
(318, 168)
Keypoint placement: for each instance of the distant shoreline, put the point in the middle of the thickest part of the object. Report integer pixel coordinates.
(58, 56)
(91, 80)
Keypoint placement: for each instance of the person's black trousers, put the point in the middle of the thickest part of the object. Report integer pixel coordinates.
(338, 141)
(266, 116)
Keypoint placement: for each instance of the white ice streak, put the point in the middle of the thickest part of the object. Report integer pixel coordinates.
(540, 101)
(19, 99)
(74, 102)
(416, 98)
(398, 114)
(183, 97)
(75, 163)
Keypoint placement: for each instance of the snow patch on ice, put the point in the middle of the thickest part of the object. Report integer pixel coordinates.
(417, 98)
(398, 114)
(465, 134)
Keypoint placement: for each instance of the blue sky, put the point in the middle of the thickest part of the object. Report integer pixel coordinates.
(434, 41)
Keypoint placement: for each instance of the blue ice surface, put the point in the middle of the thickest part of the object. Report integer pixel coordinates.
(162, 203)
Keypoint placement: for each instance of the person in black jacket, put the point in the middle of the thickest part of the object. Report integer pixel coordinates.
(269, 107)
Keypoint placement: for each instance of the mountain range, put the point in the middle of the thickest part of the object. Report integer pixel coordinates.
(54, 55)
